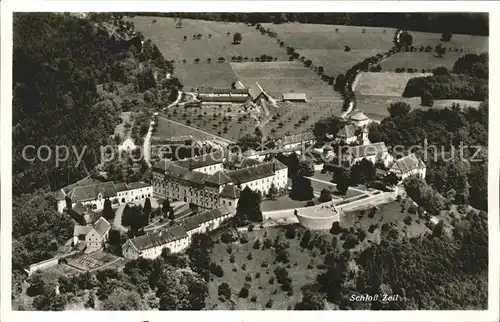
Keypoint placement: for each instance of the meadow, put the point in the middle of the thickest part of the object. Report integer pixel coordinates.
(384, 83)
(420, 60)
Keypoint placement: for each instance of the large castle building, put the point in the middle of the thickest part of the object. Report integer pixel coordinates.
(213, 180)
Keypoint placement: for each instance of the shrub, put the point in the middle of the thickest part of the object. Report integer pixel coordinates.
(264, 264)
(226, 237)
(290, 232)
(250, 227)
(256, 245)
(407, 220)
(350, 241)
(216, 270)
(243, 293)
(244, 267)
(372, 228)
(412, 209)
(249, 256)
(248, 278)
(231, 259)
(253, 299)
(235, 269)
(244, 238)
(257, 275)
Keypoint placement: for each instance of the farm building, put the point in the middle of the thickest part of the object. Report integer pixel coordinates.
(359, 119)
(257, 94)
(294, 97)
(407, 166)
(223, 95)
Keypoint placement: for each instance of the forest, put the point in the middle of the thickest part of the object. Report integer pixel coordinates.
(462, 23)
(468, 80)
(59, 61)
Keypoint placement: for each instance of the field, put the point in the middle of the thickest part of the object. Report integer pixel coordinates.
(384, 83)
(282, 77)
(419, 61)
(305, 264)
(167, 129)
(170, 41)
(261, 286)
(230, 122)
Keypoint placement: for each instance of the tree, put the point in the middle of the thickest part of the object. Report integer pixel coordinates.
(146, 211)
(166, 207)
(446, 36)
(426, 99)
(37, 284)
(273, 192)
(440, 50)
(301, 189)
(311, 301)
(248, 208)
(405, 39)
(391, 179)
(347, 48)
(224, 291)
(325, 196)
(399, 109)
(343, 180)
(321, 70)
(237, 38)
(171, 214)
(121, 300)
(340, 83)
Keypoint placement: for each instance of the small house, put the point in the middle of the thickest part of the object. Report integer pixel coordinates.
(294, 97)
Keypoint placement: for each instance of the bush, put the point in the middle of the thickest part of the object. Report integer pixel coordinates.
(372, 228)
(407, 220)
(244, 238)
(412, 209)
(226, 238)
(256, 245)
(231, 259)
(257, 275)
(350, 241)
(269, 304)
(216, 270)
(264, 264)
(248, 278)
(244, 267)
(243, 293)
(249, 256)
(250, 227)
(253, 299)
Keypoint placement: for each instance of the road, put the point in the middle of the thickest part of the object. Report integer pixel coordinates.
(117, 222)
(147, 146)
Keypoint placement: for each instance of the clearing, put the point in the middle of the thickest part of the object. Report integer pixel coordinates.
(384, 83)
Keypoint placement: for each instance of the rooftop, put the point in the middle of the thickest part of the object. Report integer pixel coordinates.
(159, 238)
(195, 221)
(347, 131)
(408, 163)
(260, 171)
(230, 191)
(297, 138)
(294, 96)
(202, 161)
(359, 116)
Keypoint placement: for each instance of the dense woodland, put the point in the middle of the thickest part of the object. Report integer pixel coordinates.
(468, 80)
(465, 23)
(58, 62)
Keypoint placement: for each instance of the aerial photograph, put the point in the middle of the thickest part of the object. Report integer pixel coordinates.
(249, 161)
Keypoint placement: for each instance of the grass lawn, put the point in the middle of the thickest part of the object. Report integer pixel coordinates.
(203, 74)
(389, 213)
(283, 202)
(384, 83)
(419, 60)
(168, 129)
(317, 36)
(282, 77)
(261, 287)
(337, 61)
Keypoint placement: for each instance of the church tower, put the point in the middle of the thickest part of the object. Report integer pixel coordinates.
(363, 137)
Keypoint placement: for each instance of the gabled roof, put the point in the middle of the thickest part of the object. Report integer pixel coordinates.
(137, 185)
(218, 178)
(201, 161)
(408, 163)
(294, 96)
(180, 173)
(239, 85)
(195, 221)
(297, 138)
(230, 191)
(159, 238)
(359, 116)
(81, 230)
(240, 161)
(101, 226)
(347, 131)
(91, 192)
(225, 99)
(121, 186)
(362, 151)
(260, 171)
